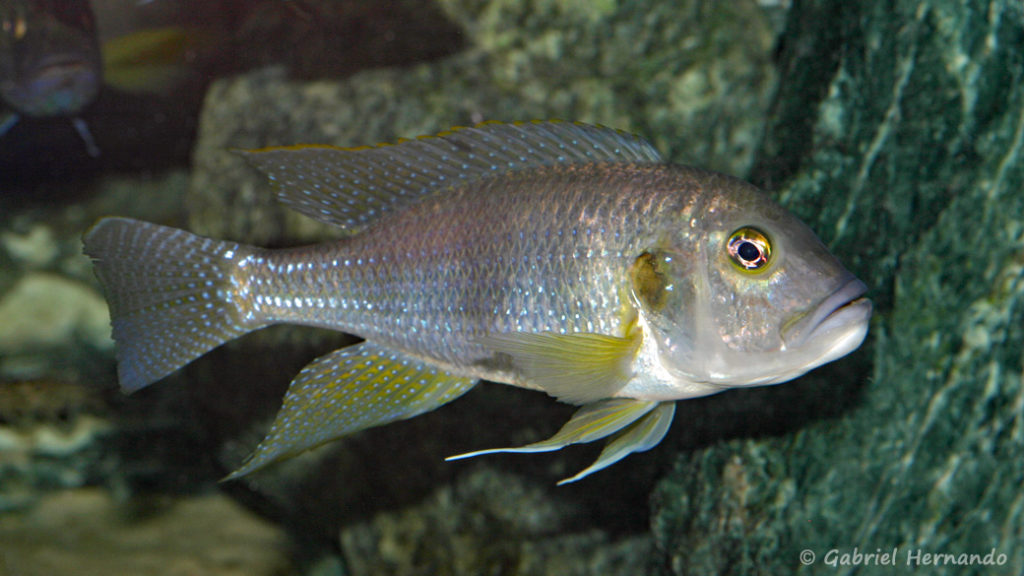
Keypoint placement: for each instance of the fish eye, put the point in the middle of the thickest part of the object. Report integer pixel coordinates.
(749, 249)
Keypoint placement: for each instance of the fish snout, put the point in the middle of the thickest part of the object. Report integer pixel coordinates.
(839, 316)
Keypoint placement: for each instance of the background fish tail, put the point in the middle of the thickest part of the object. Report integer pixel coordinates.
(173, 295)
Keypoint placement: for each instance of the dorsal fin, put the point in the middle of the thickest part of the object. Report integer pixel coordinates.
(348, 187)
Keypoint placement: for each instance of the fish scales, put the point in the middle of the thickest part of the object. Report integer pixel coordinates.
(544, 250)
(553, 256)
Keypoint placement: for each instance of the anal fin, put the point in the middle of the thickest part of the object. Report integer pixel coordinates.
(349, 390)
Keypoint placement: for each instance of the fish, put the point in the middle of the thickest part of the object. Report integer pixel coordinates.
(53, 64)
(554, 256)
(50, 63)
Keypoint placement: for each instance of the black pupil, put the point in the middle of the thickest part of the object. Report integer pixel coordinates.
(749, 252)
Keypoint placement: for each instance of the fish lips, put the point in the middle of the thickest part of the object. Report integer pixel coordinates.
(837, 325)
(55, 85)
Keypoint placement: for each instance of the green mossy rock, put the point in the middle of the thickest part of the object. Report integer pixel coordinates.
(898, 134)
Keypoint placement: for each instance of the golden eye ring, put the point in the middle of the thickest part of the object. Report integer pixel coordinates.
(749, 249)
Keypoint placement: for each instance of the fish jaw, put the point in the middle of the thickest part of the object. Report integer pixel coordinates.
(50, 61)
(61, 84)
(654, 380)
(831, 330)
(842, 308)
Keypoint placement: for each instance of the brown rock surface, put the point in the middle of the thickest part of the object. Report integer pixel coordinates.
(86, 533)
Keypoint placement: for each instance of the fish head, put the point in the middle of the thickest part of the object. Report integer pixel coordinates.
(743, 293)
(50, 61)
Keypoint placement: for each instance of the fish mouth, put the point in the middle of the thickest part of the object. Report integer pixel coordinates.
(62, 64)
(838, 320)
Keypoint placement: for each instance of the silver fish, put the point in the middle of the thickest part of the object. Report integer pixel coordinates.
(554, 256)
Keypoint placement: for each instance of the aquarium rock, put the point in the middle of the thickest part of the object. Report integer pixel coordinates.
(899, 133)
(46, 310)
(674, 72)
(86, 532)
(488, 519)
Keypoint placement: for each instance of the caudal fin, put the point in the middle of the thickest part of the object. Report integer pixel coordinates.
(171, 294)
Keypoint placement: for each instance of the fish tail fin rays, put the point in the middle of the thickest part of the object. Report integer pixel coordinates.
(348, 390)
(637, 425)
(172, 295)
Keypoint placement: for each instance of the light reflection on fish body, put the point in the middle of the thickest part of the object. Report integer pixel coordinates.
(553, 256)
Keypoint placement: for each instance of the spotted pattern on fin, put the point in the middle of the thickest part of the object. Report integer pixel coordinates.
(349, 187)
(171, 295)
(349, 390)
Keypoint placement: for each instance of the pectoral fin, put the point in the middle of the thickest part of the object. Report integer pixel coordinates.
(349, 390)
(578, 368)
(641, 435)
(589, 423)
